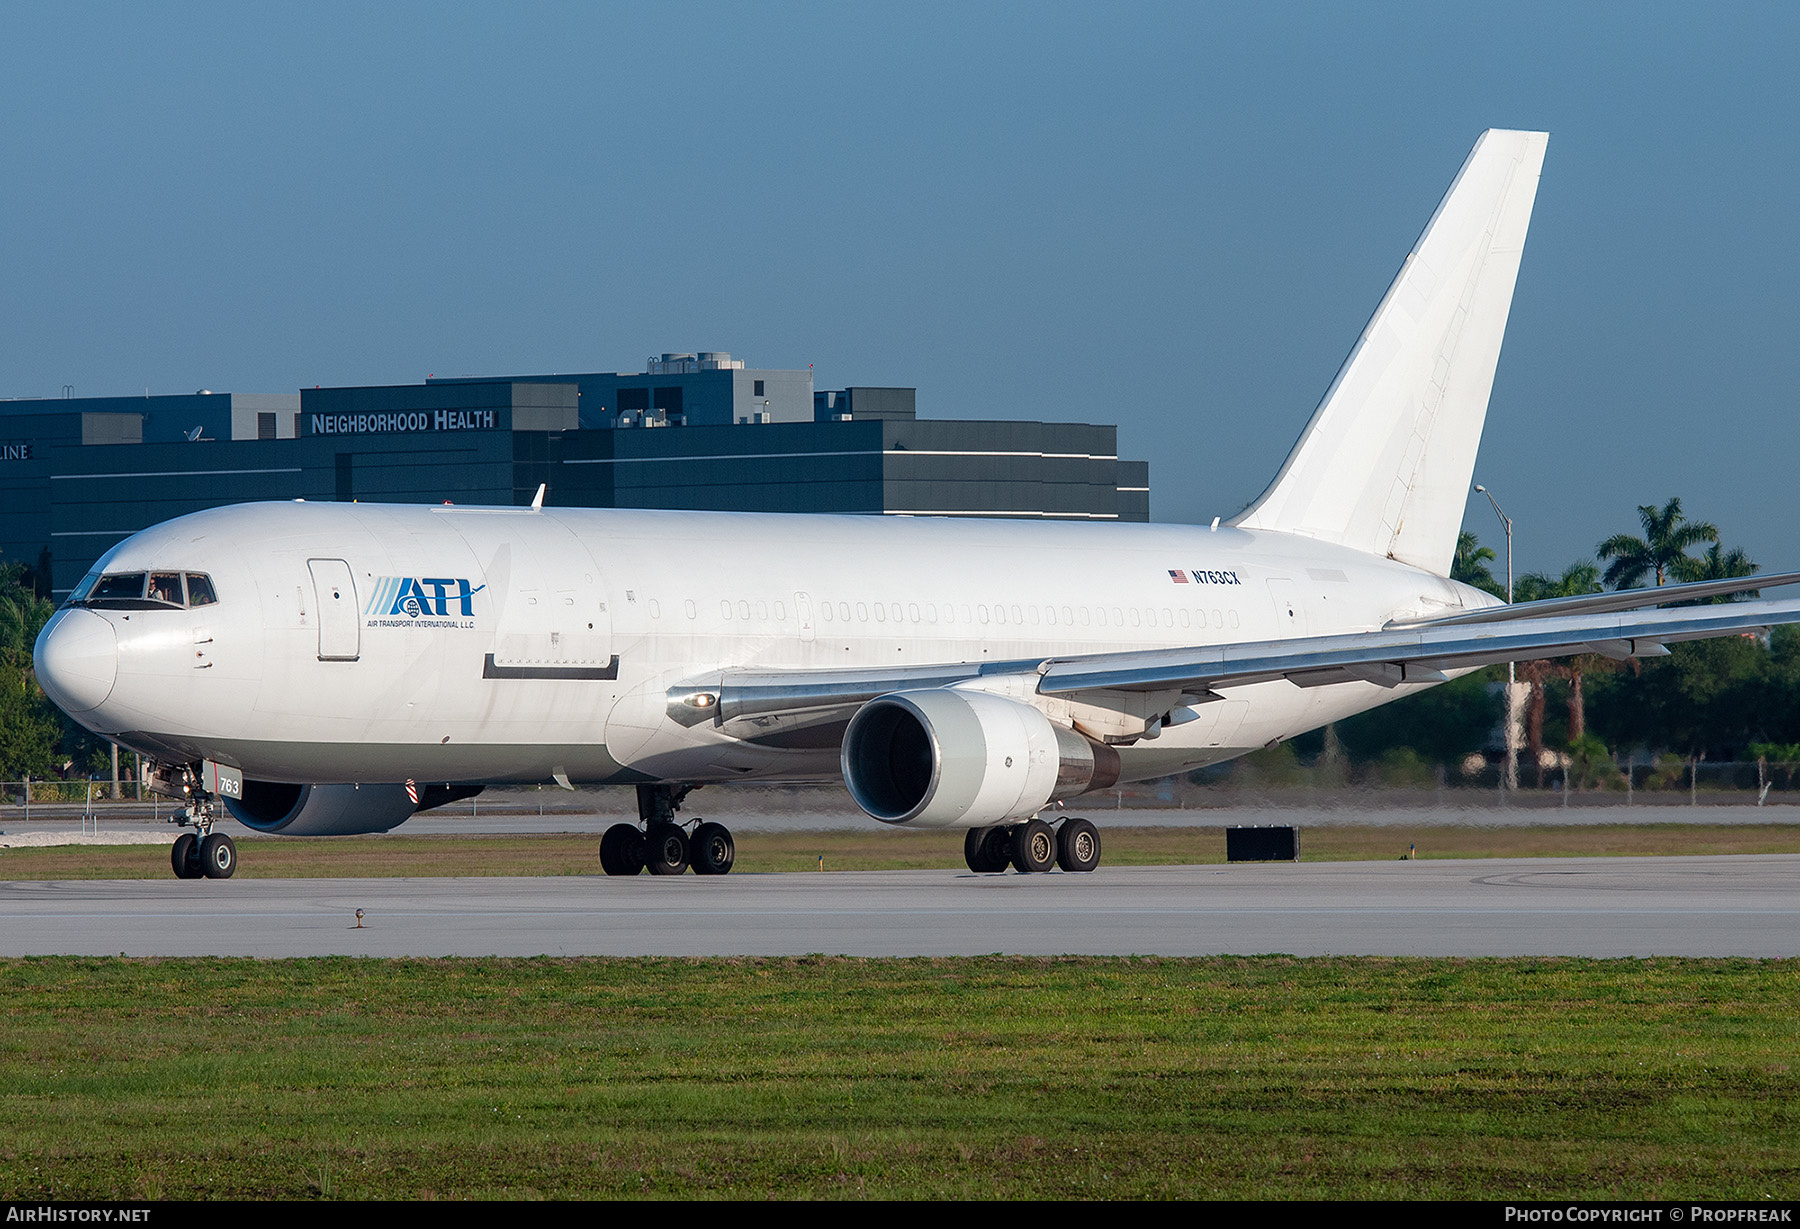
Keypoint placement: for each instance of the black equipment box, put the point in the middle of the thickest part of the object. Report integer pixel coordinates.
(1271, 844)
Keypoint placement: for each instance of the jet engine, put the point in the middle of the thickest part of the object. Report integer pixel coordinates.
(334, 810)
(944, 758)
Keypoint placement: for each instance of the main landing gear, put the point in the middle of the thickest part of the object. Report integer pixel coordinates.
(1033, 846)
(661, 846)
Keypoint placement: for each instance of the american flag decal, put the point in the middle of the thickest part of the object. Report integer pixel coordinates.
(1178, 576)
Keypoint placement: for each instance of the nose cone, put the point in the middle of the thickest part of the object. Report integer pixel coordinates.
(77, 660)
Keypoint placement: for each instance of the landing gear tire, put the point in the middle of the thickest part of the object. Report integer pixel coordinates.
(1077, 845)
(218, 856)
(185, 857)
(987, 850)
(665, 850)
(712, 850)
(622, 850)
(1033, 847)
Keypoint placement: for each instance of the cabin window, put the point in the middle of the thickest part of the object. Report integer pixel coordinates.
(725, 610)
(690, 609)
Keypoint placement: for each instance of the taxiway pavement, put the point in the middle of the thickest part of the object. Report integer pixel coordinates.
(1711, 906)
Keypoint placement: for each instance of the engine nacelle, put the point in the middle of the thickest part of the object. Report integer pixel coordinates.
(321, 810)
(945, 758)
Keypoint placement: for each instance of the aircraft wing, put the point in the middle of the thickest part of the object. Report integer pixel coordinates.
(781, 704)
(1415, 654)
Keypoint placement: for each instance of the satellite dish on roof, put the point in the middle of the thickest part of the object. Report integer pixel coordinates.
(194, 435)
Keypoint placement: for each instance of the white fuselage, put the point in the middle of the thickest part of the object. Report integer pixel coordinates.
(385, 642)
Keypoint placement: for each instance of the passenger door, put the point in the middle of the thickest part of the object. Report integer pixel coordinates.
(340, 618)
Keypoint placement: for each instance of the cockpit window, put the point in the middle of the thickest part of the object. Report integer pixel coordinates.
(125, 586)
(144, 591)
(165, 587)
(80, 592)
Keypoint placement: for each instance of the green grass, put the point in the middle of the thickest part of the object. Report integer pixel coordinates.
(876, 848)
(996, 1077)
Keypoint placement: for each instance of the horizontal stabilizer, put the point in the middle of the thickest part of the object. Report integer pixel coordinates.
(1595, 603)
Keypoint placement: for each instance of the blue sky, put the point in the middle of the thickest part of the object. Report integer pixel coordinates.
(1172, 217)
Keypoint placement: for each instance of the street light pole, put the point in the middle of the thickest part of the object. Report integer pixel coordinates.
(1512, 677)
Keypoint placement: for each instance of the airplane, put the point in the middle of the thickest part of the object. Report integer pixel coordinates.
(304, 666)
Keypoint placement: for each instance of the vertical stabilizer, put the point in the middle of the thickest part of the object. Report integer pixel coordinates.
(1385, 463)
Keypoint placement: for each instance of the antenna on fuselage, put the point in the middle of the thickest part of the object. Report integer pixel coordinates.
(537, 501)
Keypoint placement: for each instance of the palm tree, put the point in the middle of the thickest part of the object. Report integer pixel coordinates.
(1716, 564)
(1667, 536)
(1471, 565)
(1577, 579)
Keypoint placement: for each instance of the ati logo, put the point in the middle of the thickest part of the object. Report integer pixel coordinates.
(424, 596)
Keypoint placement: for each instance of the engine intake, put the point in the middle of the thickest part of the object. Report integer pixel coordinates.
(946, 758)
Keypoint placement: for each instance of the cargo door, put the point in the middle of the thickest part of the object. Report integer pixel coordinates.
(340, 618)
(551, 618)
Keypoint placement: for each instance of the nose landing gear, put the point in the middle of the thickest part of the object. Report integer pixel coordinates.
(203, 853)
